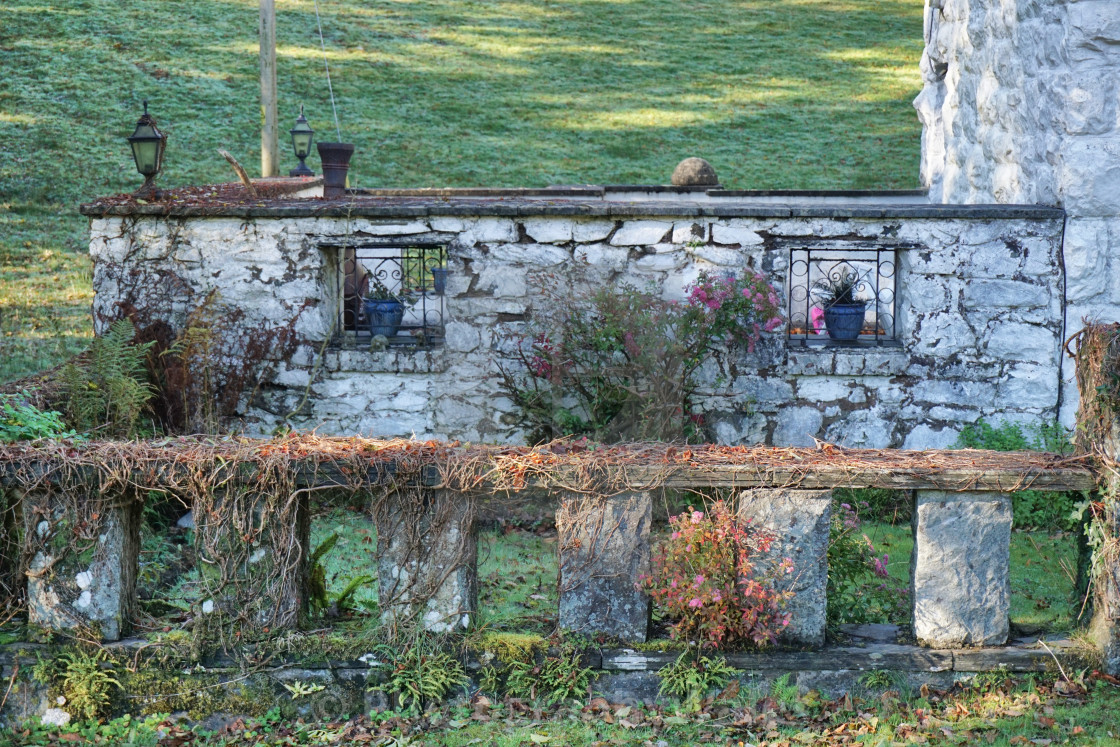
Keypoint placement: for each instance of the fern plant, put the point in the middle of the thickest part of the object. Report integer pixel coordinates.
(555, 679)
(83, 680)
(418, 676)
(785, 692)
(108, 389)
(691, 679)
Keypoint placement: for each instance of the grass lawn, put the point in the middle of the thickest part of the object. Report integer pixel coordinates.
(790, 94)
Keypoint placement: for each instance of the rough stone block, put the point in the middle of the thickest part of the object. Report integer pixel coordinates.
(801, 520)
(549, 230)
(960, 582)
(83, 570)
(641, 232)
(736, 232)
(592, 230)
(796, 426)
(427, 559)
(604, 550)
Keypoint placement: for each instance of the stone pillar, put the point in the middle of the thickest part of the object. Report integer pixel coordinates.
(801, 520)
(253, 548)
(427, 545)
(85, 557)
(604, 550)
(960, 582)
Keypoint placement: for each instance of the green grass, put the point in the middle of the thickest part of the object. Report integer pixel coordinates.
(791, 94)
(353, 555)
(517, 575)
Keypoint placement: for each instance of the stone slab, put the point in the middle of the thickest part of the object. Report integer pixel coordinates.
(800, 519)
(604, 550)
(860, 658)
(960, 583)
(427, 559)
(82, 573)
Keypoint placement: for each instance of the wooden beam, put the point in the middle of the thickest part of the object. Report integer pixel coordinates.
(270, 144)
(313, 473)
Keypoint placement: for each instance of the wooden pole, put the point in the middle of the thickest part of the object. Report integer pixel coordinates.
(269, 129)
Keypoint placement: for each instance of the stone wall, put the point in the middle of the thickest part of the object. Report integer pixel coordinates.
(1020, 105)
(980, 309)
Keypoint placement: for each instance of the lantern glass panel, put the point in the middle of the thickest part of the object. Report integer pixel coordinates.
(301, 141)
(146, 153)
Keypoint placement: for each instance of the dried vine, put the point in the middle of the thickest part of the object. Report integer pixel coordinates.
(1096, 348)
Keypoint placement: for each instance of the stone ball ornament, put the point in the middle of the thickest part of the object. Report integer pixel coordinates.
(694, 172)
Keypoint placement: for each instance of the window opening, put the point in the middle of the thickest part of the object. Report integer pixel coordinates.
(819, 315)
(413, 275)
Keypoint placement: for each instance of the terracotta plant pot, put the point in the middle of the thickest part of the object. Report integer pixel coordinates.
(336, 162)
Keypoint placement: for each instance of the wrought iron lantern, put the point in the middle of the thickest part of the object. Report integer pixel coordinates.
(148, 144)
(301, 142)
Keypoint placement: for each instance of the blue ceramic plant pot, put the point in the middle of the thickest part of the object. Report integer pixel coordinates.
(844, 321)
(439, 279)
(384, 317)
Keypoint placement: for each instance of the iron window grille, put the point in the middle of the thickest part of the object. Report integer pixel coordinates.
(875, 271)
(405, 271)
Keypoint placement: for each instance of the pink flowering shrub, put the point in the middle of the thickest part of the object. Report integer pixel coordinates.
(738, 307)
(860, 588)
(618, 363)
(707, 577)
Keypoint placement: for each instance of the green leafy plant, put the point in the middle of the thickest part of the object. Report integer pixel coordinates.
(859, 587)
(416, 676)
(555, 679)
(299, 689)
(707, 577)
(108, 389)
(378, 291)
(319, 596)
(690, 678)
(785, 692)
(20, 421)
(1031, 509)
(84, 681)
(838, 288)
(876, 679)
(618, 363)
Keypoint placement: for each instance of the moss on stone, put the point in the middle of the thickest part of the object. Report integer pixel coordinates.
(510, 647)
(152, 691)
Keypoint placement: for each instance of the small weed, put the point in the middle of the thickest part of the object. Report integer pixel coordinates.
(418, 676)
(876, 679)
(691, 678)
(84, 681)
(556, 679)
(781, 690)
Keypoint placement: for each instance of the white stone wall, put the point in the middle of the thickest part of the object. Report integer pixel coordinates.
(1021, 104)
(980, 317)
